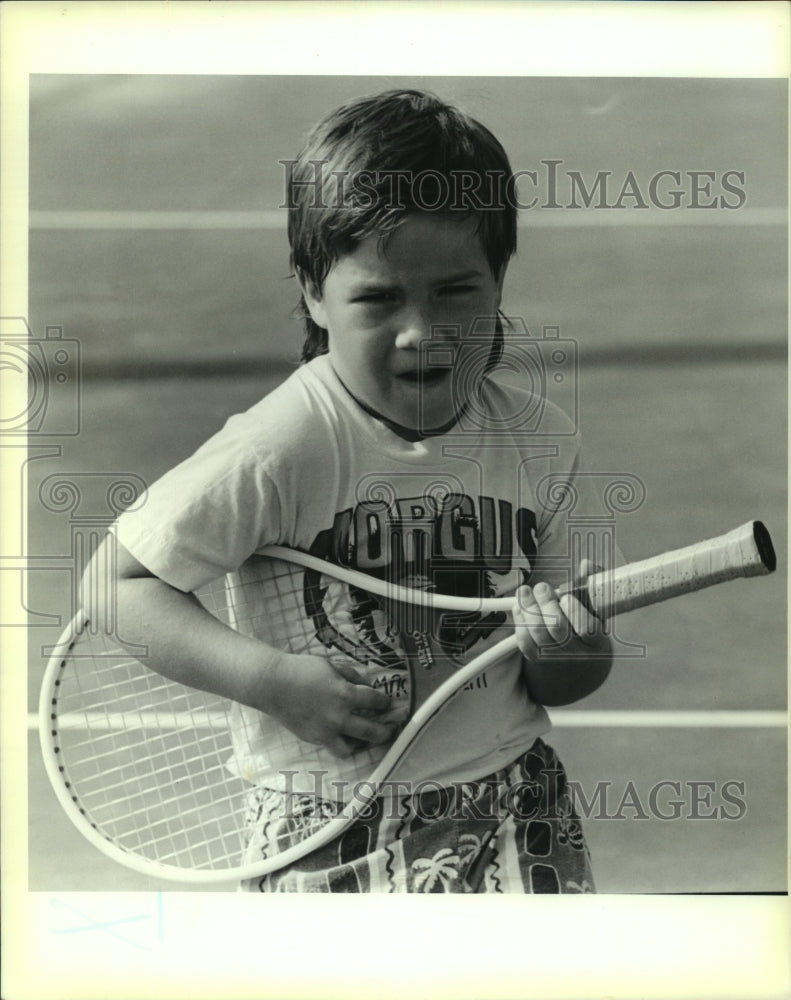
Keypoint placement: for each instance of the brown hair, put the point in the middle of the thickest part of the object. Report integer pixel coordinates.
(373, 161)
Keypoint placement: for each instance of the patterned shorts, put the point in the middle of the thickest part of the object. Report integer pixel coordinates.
(514, 831)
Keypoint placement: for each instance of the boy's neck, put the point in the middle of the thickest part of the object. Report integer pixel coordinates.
(407, 433)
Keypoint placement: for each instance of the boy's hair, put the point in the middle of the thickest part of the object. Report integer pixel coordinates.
(374, 161)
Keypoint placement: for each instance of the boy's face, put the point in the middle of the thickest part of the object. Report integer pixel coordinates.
(386, 302)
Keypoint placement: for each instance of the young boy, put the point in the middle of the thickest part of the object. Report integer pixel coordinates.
(395, 443)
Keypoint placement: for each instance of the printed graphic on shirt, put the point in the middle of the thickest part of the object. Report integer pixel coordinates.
(460, 545)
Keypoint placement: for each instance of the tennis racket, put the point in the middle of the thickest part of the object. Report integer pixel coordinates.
(141, 763)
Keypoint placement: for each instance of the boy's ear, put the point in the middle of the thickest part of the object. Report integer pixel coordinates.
(313, 299)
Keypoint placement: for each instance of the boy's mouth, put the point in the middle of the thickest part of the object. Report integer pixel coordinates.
(425, 376)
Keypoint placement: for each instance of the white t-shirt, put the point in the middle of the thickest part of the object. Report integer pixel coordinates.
(486, 503)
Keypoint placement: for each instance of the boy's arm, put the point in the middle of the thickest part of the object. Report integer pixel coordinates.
(567, 654)
(316, 700)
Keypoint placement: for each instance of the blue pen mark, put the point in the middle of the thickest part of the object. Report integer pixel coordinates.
(89, 924)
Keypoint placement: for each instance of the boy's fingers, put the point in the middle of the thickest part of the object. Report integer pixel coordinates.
(367, 732)
(395, 716)
(364, 698)
(341, 665)
(339, 746)
(537, 611)
(527, 610)
(361, 695)
(552, 615)
(586, 568)
(584, 624)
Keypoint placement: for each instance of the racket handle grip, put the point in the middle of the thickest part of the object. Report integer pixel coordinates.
(745, 551)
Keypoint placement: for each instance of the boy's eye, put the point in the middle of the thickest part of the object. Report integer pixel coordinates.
(387, 297)
(373, 298)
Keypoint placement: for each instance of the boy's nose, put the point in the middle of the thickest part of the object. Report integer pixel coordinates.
(416, 328)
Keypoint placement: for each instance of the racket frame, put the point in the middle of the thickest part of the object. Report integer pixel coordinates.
(746, 551)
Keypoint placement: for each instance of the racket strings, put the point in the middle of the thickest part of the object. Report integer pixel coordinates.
(156, 767)
(266, 598)
(144, 759)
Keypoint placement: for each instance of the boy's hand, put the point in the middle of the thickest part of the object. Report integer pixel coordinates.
(329, 703)
(567, 653)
